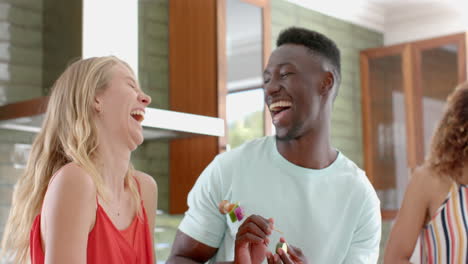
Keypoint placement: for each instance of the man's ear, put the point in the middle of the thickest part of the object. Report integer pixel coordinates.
(327, 83)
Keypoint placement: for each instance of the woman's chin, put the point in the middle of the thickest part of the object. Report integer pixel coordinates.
(135, 140)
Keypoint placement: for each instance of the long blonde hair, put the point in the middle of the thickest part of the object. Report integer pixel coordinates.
(68, 135)
(449, 146)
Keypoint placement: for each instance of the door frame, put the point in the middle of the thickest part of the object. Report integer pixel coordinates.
(222, 61)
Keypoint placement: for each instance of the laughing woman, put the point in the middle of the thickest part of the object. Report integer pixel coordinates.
(435, 207)
(79, 200)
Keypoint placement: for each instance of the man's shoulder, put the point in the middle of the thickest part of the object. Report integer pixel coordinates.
(355, 177)
(246, 150)
(348, 166)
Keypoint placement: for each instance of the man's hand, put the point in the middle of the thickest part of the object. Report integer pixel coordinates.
(294, 256)
(252, 240)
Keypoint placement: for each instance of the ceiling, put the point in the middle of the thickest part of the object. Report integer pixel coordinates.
(385, 15)
(390, 5)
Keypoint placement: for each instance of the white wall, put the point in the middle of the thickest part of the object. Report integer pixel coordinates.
(399, 20)
(416, 22)
(366, 13)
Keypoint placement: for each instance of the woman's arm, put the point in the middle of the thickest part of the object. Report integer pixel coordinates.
(68, 215)
(410, 219)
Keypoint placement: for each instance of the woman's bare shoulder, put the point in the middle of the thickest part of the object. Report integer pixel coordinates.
(149, 189)
(69, 209)
(427, 175)
(146, 181)
(72, 175)
(431, 184)
(71, 186)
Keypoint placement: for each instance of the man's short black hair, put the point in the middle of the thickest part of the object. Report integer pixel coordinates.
(317, 43)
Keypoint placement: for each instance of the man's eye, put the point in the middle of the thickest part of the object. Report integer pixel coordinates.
(265, 81)
(284, 75)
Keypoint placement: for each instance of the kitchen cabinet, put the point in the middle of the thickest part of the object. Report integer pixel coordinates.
(404, 89)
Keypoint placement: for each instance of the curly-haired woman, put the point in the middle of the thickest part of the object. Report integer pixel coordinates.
(79, 200)
(435, 207)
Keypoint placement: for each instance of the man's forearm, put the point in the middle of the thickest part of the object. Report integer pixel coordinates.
(184, 260)
(181, 260)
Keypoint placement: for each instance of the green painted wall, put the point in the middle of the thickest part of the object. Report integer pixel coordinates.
(20, 50)
(62, 38)
(152, 157)
(21, 58)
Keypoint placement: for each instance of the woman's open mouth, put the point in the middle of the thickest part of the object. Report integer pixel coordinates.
(138, 115)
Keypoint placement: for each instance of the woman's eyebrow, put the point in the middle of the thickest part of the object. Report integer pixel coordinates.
(131, 80)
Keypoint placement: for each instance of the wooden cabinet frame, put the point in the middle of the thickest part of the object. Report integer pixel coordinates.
(416, 49)
(197, 81)
(411, 61)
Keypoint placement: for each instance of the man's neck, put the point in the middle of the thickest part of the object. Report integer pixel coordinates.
(311, 151)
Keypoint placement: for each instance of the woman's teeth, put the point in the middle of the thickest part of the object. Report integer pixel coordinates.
(138, 115)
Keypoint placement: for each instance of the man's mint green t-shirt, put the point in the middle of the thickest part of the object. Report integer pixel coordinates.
(332, 214)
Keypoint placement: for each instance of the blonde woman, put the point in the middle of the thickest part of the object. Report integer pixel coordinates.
(79, 201)
(435, 207)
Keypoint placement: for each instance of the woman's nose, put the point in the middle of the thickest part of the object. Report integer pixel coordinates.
(145, 99)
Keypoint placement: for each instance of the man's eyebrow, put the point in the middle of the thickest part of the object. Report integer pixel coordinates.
(285, 64)
(266, 71)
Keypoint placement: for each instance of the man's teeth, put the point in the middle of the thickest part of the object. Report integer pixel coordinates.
(279, 104)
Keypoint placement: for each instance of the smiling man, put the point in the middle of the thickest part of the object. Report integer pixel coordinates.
(296, 181)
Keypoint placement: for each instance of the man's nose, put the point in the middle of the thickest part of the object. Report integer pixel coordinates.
(271, 87)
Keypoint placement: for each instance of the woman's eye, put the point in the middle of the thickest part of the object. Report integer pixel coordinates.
(265, 81)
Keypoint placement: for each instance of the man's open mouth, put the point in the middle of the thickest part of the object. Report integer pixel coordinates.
(280, 106)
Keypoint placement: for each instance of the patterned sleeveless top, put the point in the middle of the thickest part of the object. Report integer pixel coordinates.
(445, 238)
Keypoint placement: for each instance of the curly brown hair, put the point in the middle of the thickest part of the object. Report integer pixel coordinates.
(449, 146)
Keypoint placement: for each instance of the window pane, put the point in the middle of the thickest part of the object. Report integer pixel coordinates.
(243, 45)
(244, 116)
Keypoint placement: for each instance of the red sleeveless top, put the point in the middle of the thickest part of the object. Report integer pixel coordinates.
(106, 244)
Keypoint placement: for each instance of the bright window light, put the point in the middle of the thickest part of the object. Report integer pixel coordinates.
(110, 27)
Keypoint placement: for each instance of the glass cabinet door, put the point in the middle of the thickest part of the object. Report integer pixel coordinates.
(385, 125)
(404, 92)
(439, 67)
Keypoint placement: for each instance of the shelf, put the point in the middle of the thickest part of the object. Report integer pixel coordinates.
(158, 124)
